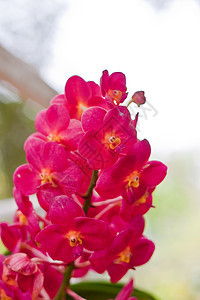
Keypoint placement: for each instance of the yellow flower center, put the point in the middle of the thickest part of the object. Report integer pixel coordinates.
(53, 137)
(81, 107)
(133, 179)
(125, 255)
(74, 238)
(142, 200)
(46, 177)
(114, 142)
(115, 96)
(22, 218)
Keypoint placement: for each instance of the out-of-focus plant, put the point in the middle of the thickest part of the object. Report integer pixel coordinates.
(15, 126)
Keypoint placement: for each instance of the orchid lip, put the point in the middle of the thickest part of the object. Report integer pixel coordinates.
(53, 137)
(133, 179)
(46, 177)
(114, 142)
(74, 238)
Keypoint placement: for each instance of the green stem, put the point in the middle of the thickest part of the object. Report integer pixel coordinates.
(65, 283)
(88, 195)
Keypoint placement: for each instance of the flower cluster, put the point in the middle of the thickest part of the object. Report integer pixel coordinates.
(93, 179)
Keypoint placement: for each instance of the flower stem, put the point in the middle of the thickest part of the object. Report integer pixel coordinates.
(65, 283)
(88, 195)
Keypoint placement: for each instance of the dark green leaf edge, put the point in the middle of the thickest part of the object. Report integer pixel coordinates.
(104, 290)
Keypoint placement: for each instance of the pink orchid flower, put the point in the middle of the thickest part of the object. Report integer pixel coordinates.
(71, 231)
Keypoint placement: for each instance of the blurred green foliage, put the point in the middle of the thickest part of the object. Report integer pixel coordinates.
(15, 126)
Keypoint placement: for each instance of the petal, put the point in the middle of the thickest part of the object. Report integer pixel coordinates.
(117, 271)
(120, 115)
(117, 81)
(34, 148)
(124, 166)
(54, 157)
(120, 242)
(21, 263)
(94, 233)
(72, 135)
(22, 202)
(92, 148)
(104, 82)
(153, 173)
(125, 293)
(77, 90)
(12, 234)
(92, 118)
(141, 150)
(58, 99)
(41, 123)
(37, 284)
(108, 186)
(142, 252)
(100, 260)
(70, 179)
(57, 117)
(63, 210)
(46, 195)
(26, 179)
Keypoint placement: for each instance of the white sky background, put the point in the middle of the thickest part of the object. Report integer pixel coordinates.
(158, 50)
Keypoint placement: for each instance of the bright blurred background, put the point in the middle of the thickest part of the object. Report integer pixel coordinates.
(156, 43)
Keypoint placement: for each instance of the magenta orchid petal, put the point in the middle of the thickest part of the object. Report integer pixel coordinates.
(123, 167)
(142, 252)
(11, 235)
(72, 135)
(153, 173)
(117, 81)
(90, 147)
(77, 90)
(34, 148)
(51, 275)
(94, 233)
(22, 202)
(125, 293)
(63, 211)
(120, 242)
(117, 271)
(120, 113)
(46, 195)
(93, 118)
(54, 157)
(41, 123)
(57, 117)
(107, 186)
(70, 179)
(104, 82)
(26, 179)
(100, 260)
(58, 99)
(141, 150)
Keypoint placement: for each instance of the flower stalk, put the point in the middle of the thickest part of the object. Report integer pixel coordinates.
(65, 283)
(88, 195)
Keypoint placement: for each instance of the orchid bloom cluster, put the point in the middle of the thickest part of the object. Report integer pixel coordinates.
(94, 181)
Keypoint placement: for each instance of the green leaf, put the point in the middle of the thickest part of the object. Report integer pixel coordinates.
(105, 290)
